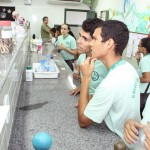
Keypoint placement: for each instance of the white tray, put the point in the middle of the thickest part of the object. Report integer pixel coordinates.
(44, 74)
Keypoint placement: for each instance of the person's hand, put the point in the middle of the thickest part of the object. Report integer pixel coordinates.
(74, 92)
(131, 131)
(61, 47)
(137, 56)
(48, 42)
(76, 76)
(58, 48)
(87, 67)
(147, 134)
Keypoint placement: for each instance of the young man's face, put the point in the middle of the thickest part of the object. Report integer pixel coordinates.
(84, 42)
(99, 49)
(140, 47)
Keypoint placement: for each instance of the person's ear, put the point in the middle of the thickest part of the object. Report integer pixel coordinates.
(110, 43)
(144, 50)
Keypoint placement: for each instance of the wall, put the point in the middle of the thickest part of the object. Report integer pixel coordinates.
(132, 12)
(106, 5)
(136, 14)
(39, 9)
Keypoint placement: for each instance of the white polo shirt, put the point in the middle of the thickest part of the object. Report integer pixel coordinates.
(68, 42)
(144, 66)
(116, 99)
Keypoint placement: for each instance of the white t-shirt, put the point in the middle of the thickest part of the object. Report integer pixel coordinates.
(116, 99)
(144, 66)
(146, 112)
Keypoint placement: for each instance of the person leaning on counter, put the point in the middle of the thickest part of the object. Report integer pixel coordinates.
(117, 98)
(132, 128)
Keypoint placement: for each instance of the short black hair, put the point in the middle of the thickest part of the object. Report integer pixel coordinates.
(58, 28)
(44, 18)
(53, 30)
(145, 42)
(89, 25)
(118, 31)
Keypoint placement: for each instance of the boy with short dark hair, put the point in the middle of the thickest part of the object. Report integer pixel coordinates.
(117, 98)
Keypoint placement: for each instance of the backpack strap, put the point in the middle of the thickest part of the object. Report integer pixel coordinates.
(147, 88)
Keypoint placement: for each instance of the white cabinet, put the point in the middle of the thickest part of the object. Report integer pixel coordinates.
(9, 89)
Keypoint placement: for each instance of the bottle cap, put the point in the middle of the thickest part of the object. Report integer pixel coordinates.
(51, 56)
(119, 145)
(29, 67)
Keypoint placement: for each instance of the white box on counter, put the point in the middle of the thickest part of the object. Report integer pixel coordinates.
(44, 74)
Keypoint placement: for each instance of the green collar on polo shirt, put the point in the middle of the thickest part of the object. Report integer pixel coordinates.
(65, 36)
(147, 54)
(115, 65)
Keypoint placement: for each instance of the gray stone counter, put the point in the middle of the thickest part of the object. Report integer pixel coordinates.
(45, 105)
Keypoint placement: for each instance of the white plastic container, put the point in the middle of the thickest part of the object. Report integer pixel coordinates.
(44, 74)
(29, 73)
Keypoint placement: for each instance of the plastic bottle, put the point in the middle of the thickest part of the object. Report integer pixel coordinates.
(47, 57)
(52, 64)
(140, 142)
(33, 36)
(39, 49)
(47, 62)
(29, 73)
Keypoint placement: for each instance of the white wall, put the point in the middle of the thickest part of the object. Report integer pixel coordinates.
(39, 9)
(107, 4)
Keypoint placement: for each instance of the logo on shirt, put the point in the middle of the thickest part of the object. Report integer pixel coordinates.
(67, 42)
(95, 76)
(136, 84)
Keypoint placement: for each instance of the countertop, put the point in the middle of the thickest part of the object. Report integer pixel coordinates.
(45, 105)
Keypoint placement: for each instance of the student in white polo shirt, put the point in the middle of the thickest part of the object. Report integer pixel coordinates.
(66, 45)
(117, 98)
(144, 65)
(131, 128)
(84, 49)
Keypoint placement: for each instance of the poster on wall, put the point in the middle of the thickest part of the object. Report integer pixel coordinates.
(134, 39)
(6, 13)
(136, 14)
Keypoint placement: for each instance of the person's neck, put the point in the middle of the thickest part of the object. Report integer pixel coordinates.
(109, 61)
(145, 53)
(89, 54)
(64, 36)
